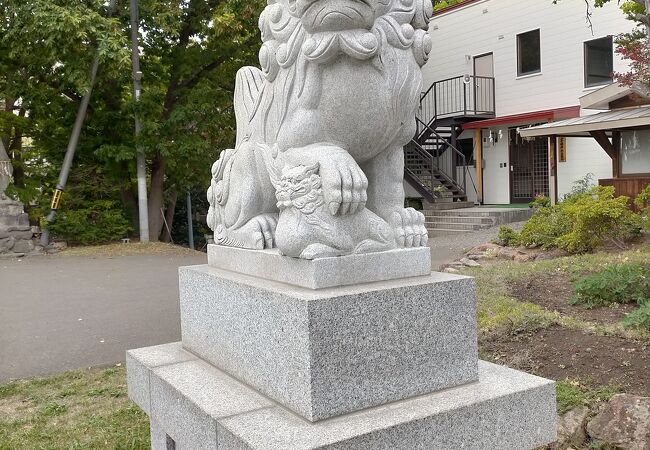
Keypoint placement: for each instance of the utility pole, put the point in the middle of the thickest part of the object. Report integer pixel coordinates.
(143, 212)
(73, 142)
(190, 226)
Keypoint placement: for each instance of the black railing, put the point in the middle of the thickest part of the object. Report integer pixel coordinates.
(445, 158)
(466, 95)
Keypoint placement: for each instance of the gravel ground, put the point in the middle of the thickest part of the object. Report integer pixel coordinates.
(450, 247)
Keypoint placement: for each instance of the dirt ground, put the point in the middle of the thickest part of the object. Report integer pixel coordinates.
(553, 292)
(560, 353)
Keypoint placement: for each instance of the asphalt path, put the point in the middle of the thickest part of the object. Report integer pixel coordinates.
(60, 312)
(65, 312)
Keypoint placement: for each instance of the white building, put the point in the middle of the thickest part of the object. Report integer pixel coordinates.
(499, 65)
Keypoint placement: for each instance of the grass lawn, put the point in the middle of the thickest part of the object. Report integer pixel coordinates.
(82, 409)
(590, 354)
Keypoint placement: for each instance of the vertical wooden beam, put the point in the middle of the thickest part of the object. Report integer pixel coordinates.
(552, 156)
(478, 144)
(616, 160)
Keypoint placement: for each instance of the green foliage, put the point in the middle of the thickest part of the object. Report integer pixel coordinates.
(191, 50)
(581, 186)
(640, 317)
(573, 393)
(99, 222)
(617, 283)
(642, 202)
(507, 237)
(84, 409)
(541, 201)
(441, 4)
(582, 221)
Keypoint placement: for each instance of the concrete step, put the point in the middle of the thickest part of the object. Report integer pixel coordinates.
(515, 214)
(489, 221)
(446, 206)
(442, 231)
(456, 226)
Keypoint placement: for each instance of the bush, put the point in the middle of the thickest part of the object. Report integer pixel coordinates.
(99, 222)
(541, 201)
(507, 237)
(639, 317)
(618, 283)
(582, 221)
(581, 186)
(643, 203)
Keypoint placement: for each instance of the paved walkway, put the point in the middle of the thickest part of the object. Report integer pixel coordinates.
(65, 312)
(60, 312)
(446, 248)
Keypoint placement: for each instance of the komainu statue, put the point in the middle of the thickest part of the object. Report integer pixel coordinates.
(318, 166)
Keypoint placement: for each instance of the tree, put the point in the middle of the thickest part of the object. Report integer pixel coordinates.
(441, 4)
(191, 50)
(634, 46)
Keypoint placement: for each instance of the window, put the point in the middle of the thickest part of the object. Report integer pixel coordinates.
(599, 61)
(635, 152)
(529, 55)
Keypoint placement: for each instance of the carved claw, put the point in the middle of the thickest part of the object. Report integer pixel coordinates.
(257, 234)
(344, 183)
(409, 228)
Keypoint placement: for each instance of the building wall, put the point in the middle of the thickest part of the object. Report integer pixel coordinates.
(496, 172)
(583, 156)
(470, 31)
(491, 26)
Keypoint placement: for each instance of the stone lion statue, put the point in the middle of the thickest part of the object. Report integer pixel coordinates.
(336, 99)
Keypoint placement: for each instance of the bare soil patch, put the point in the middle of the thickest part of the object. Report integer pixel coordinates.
(559, 353)
(553, 291)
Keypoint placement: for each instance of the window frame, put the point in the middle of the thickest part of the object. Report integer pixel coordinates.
(518, 45)
(585, 59)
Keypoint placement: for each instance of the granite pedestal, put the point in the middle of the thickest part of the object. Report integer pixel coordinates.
(268, 363)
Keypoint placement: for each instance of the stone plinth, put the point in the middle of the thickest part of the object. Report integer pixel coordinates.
(327, 352)
(323, 272)
(200, 407)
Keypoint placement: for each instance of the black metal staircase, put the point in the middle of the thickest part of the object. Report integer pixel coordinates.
(433, 164)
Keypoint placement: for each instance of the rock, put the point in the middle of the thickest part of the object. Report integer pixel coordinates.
(623, 422)
(11, 255)
(450, 270)
(571, 428)
(10, 208)
(509, 253)
(59, 245)
(23, 246)
(523, 257)
(485, 247)
(6, 244)
(469, 262)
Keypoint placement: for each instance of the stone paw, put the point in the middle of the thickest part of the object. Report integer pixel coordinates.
(257, 234)
(409, 228)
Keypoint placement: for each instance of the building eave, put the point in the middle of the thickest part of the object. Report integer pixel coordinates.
(606, 121)
(547, 115)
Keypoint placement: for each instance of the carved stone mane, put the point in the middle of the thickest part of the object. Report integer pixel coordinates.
(335, 99)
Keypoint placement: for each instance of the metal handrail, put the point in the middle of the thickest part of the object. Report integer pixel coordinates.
(455, 98)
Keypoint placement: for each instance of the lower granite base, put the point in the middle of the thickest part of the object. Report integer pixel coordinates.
(197, 406)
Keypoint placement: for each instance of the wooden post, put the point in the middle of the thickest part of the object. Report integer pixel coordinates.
(616, 159)
(478, 144)
(552, 155)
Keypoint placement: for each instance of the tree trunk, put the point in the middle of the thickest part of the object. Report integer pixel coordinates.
(130, 202)
(16, 154)
(156, 197)
(169, 216)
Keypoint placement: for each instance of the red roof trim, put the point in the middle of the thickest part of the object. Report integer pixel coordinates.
(548, 115)
(453, 7)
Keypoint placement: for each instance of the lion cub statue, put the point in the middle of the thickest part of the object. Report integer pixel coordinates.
(329, 113)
